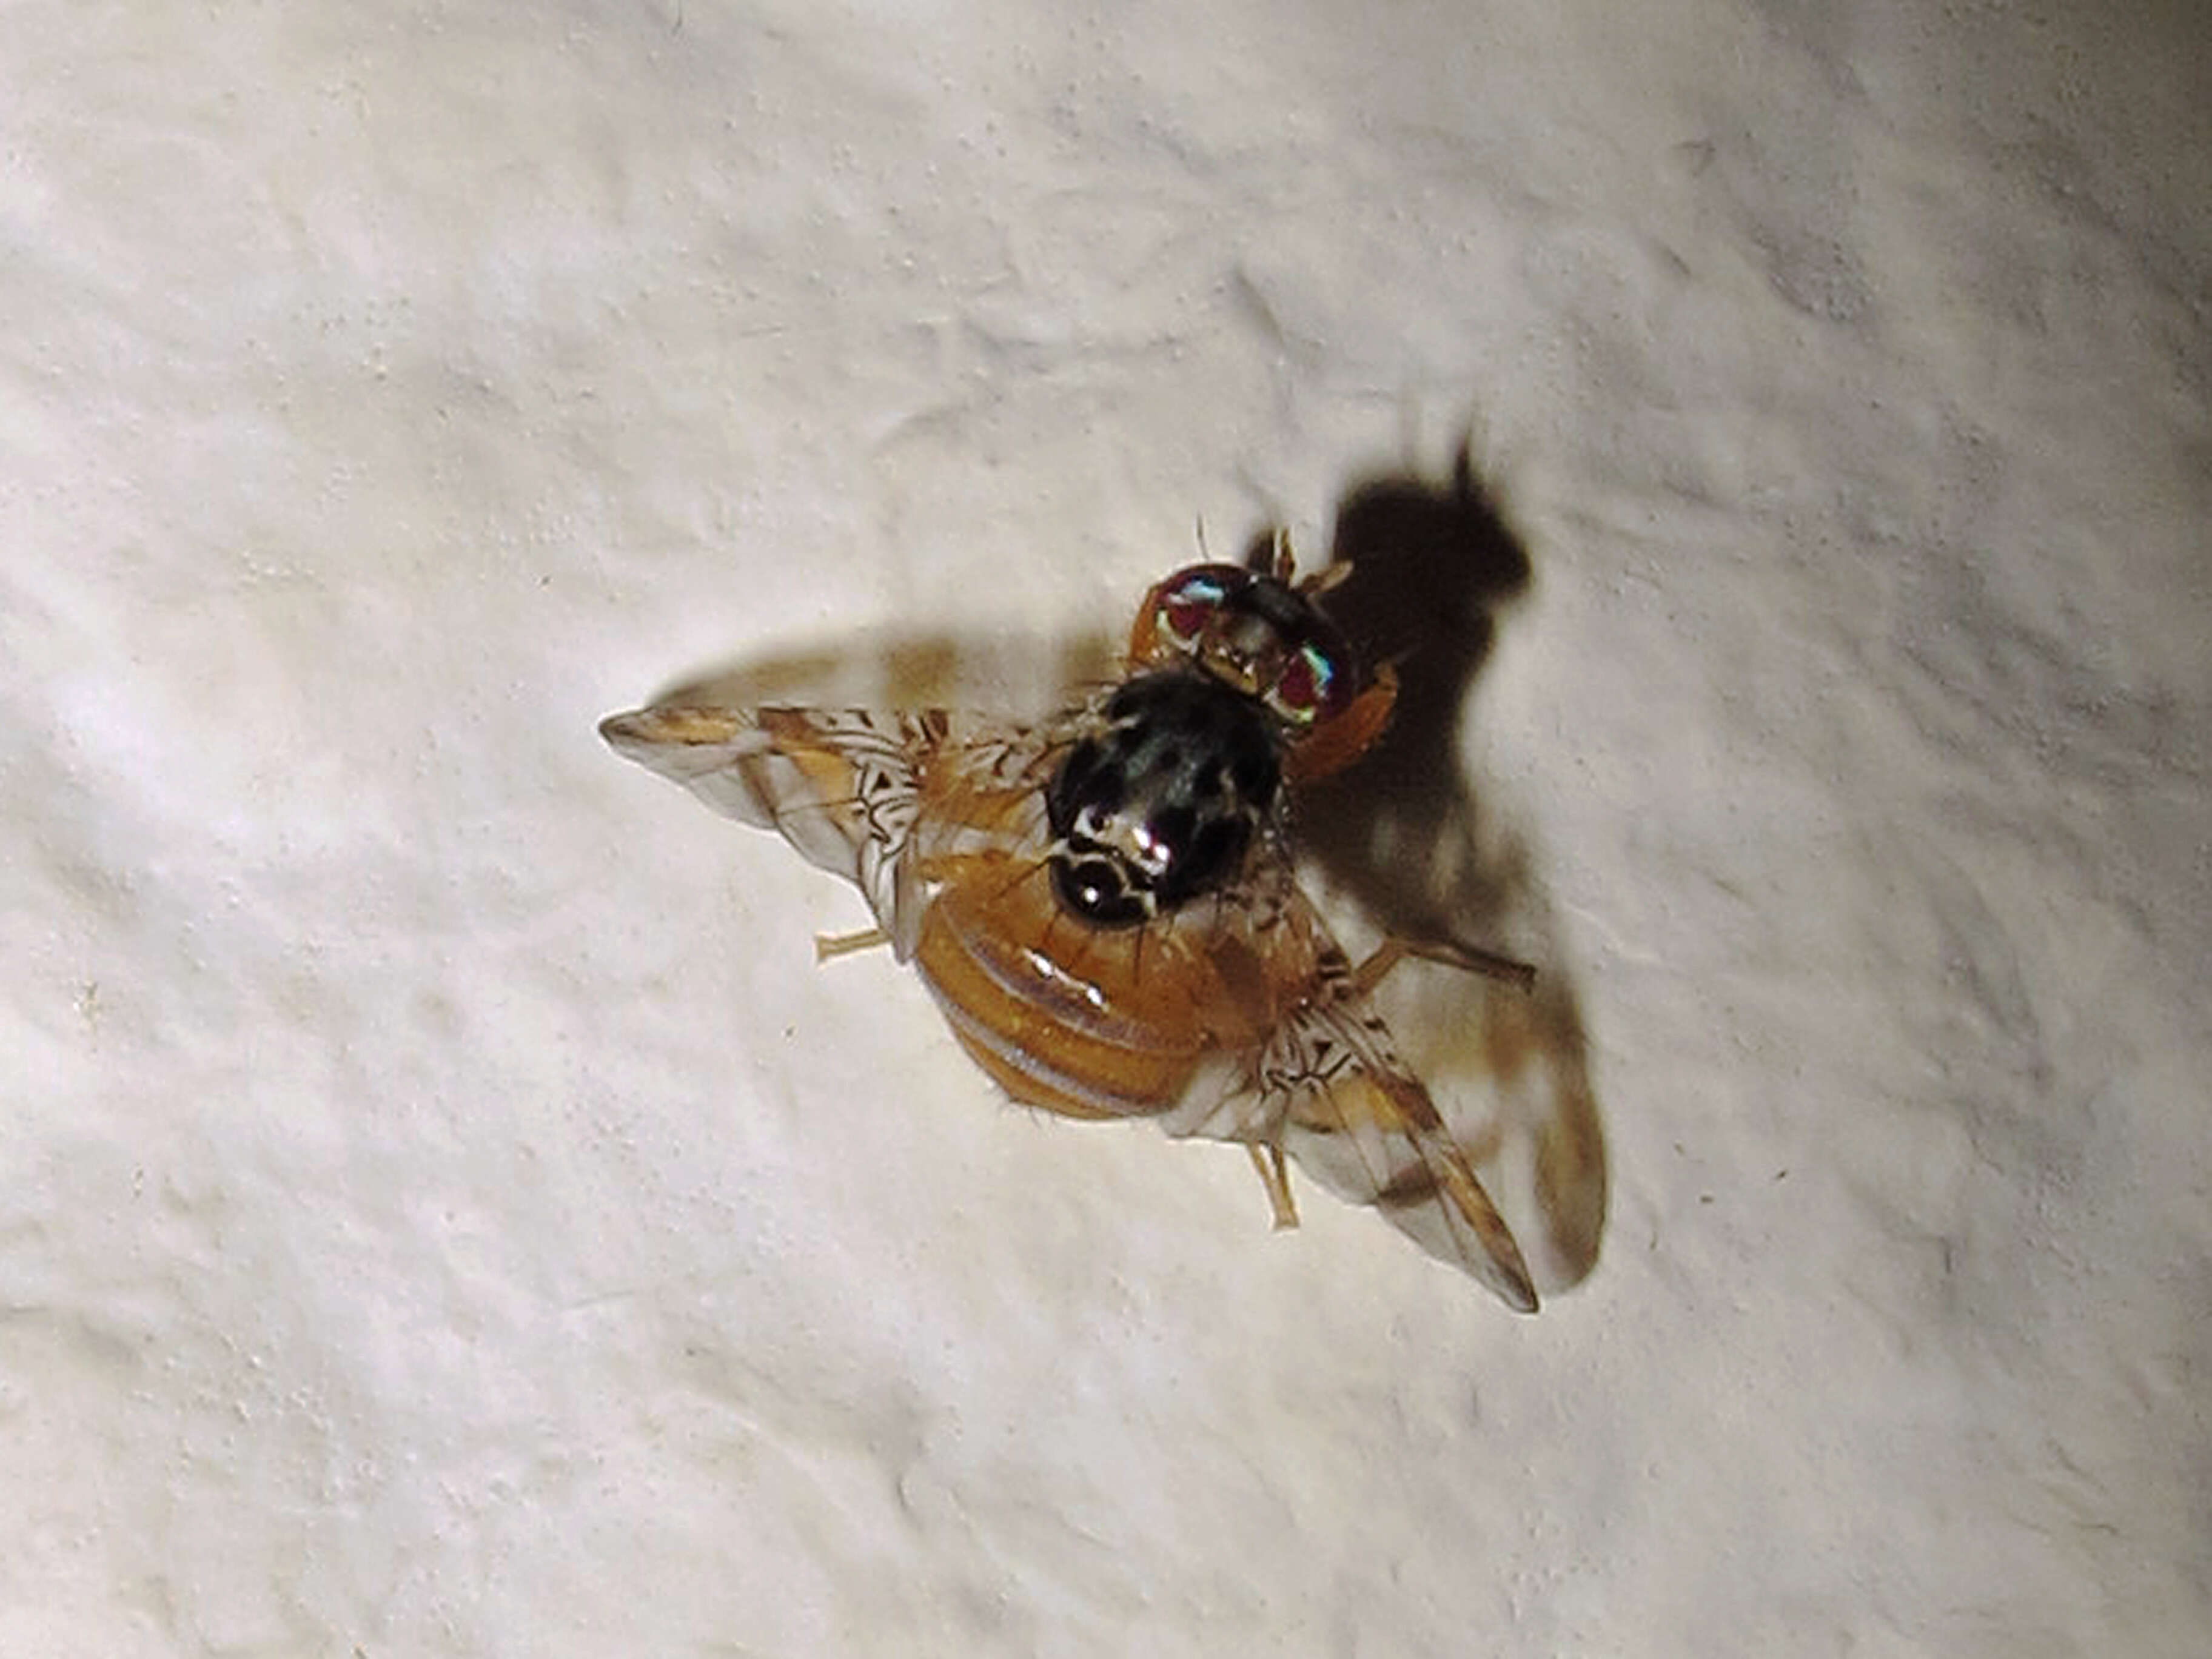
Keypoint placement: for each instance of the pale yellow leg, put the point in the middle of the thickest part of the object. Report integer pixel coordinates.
(830, 946)
(1491, 965)
(1269, 1161)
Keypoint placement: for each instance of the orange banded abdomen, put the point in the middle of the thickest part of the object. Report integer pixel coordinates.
(1084, 1021)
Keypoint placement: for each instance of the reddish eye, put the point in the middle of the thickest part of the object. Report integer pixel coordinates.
(1304, 684)
(1186, 607)
(1184, 618)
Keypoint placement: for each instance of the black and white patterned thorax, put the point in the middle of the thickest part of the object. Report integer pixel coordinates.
(1160, 804)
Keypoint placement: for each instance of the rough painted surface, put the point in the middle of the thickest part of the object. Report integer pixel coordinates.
(443, 1211)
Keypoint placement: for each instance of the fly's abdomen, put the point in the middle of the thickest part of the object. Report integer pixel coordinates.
(1078, 1020)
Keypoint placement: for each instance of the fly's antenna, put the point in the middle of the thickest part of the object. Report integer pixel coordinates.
(1270, 555)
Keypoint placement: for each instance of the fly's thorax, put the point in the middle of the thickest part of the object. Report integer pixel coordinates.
(1161, 803)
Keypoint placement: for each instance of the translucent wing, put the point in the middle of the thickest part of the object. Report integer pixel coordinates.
(893, 801)
(1508, 1070)
(1329, 1089)
(844, 785)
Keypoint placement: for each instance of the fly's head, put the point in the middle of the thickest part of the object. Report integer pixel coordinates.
(1257, 634)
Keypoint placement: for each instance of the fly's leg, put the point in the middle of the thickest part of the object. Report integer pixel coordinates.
(1522, 975)
(828, 947)
(1269, 1162)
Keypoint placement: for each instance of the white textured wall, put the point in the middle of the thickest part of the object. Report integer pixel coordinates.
(443, 1211)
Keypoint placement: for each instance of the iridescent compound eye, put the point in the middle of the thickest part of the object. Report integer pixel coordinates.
(1308, 687)
(1189, 602)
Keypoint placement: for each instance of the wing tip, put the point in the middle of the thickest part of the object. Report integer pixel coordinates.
(670, 726)
(1501, 1266)
(619, 731)
(1517, 1292)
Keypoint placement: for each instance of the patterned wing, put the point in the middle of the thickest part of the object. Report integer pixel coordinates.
(1329, 1089)
(845, 787)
